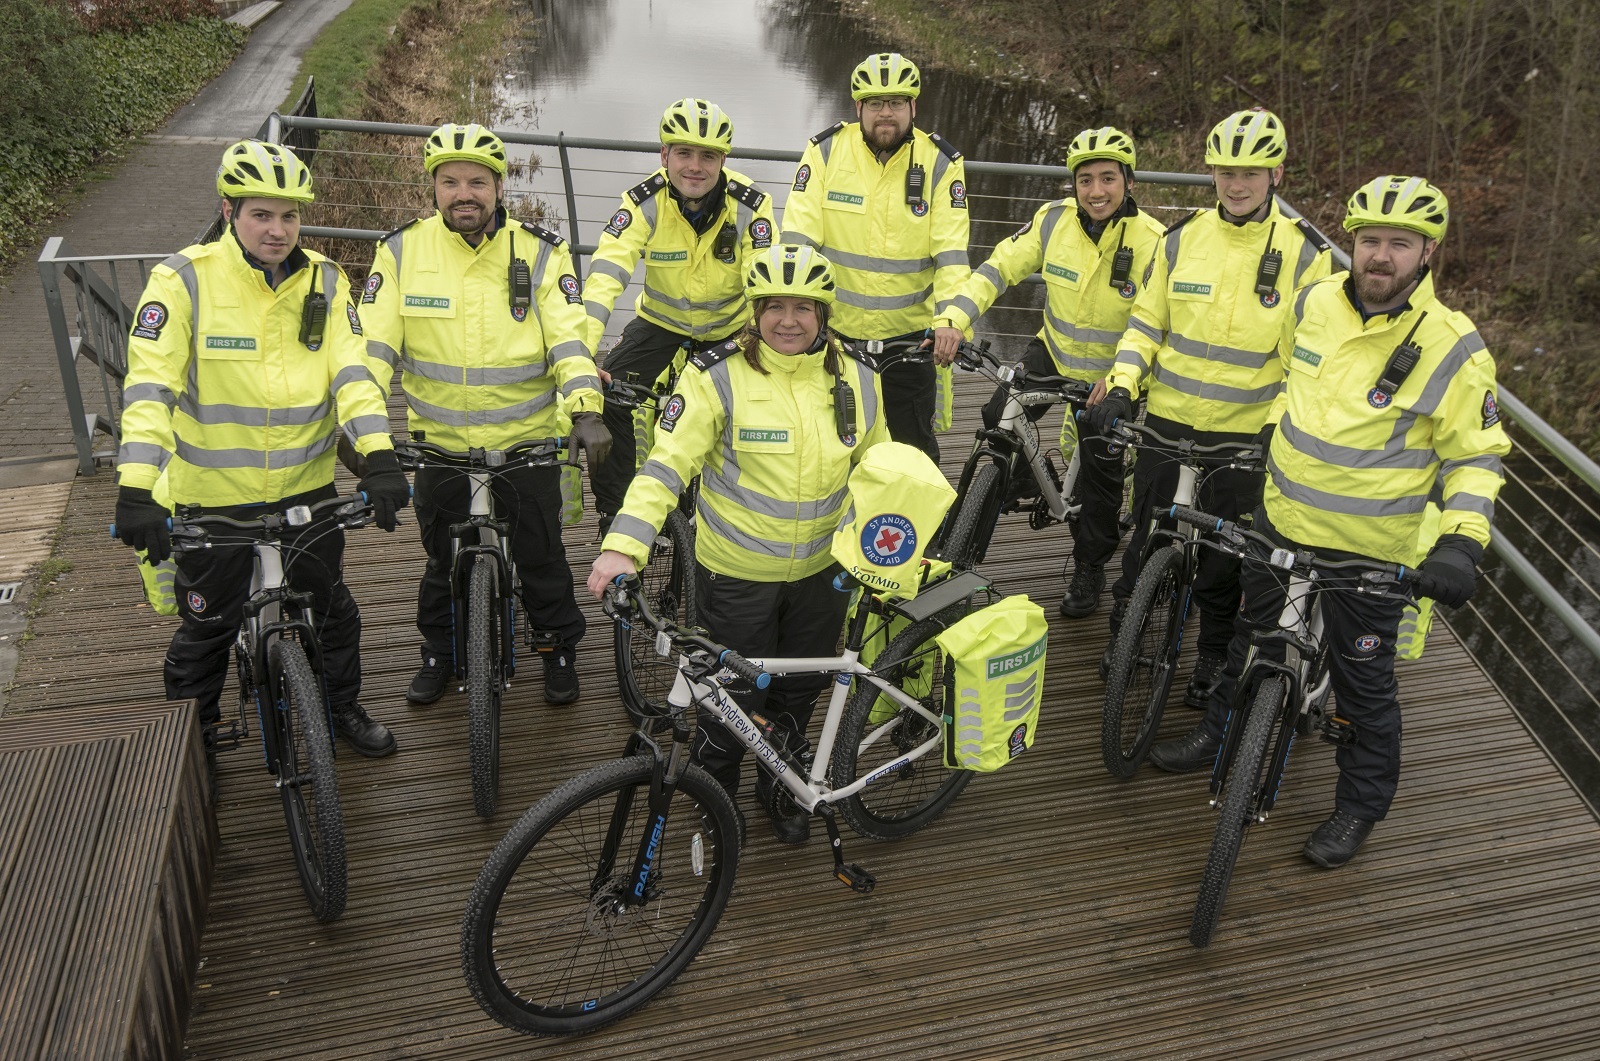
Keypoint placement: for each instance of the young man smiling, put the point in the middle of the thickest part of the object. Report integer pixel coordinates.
(1205, 337)
(1389, 392)
(697, 225)
(1093, 250)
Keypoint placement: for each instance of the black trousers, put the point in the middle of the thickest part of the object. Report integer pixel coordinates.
(529, 500)
(1099, 484)
(1224, 492)
(757, 619)
(1361, 632)
(213, 585)
(909, 394)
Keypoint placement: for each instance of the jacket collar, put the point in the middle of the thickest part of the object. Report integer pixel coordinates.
(297, 260)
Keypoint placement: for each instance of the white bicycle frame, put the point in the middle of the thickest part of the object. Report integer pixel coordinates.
(266, 575)
(812, 791)
(1014, 421)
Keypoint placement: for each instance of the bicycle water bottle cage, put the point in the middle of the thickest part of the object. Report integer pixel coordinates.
(297, 515)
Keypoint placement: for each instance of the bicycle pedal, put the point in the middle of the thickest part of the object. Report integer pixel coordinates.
(858, 879)
(223, 736)
(1338, 731)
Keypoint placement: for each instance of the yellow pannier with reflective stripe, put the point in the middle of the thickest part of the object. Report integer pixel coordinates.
(994, 680)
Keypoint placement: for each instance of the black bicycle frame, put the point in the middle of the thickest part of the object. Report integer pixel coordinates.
(465, 557)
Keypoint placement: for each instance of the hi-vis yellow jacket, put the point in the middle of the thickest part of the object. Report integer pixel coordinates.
(897, 265)
(688, 288)
(476, 370)
(1200, 336)
(1085, 313)
(222, 393)
(1351, 466)
(772, 465)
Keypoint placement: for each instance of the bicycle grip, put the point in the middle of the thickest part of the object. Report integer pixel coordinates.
(744, 668)
(1196, 518)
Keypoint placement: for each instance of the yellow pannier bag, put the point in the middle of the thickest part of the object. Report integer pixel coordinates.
(918, 684)
(994, 679)
(898, 498)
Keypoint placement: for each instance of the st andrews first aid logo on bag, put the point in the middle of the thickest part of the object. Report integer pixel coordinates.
(1000, 666)
(888, 540)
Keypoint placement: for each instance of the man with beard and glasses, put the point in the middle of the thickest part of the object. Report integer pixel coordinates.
(697, 225)
(1205, 338)
(1390, 395)
(887, 203)
(483, 316)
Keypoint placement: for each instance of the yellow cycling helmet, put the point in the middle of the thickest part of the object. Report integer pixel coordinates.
(885, 74)
(464, 143)
(790, 269)
(257, 169)
(1248, 139)
(1108, 143)
(697, 122)
(1400, 202)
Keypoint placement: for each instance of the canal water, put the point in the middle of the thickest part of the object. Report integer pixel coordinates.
(780, 68)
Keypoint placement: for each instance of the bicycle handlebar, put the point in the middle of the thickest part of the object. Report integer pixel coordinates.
(1249, 454)
(973, 357)
(534, 452)
(1375, 574)
(628, 591)
(189, 532)
(627, 395)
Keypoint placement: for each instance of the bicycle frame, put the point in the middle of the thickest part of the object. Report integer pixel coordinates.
(1013, 444)
(490, 532)
(263, 623)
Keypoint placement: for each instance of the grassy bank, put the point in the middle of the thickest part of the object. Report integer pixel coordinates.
(345, 51)
(1497, 103)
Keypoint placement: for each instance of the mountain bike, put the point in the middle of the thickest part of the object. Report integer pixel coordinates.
(1009, 470)
(1275, 702)
(280, 671)
(483, 593)
(607, 888)
(1143, 657)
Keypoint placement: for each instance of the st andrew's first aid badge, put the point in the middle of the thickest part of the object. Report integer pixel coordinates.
(888, 540)
(152, 318)
(669, 415)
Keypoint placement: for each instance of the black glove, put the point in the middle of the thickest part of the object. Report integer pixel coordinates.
(590, 432)
(144, 523)
(1264, 437)
(386, 487)
(1450, 573)
(1116, 405)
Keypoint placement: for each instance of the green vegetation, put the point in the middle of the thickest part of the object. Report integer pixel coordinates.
(344, 51)
(71, 97)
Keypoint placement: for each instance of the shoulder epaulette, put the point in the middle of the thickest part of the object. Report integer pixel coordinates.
(391, 235)
(945, 146)
(543, 233)
(1181, 222)
(751, 197)
(705, 360)
(1309, 231)
(646, 188)
(829, 131)
(856, 353)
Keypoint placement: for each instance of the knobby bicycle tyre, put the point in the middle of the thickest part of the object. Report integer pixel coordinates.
(484, 685)
(1143, 661)
(307, 783)
(974, 520)
(915, 793)
(644, 678)
(1240, 795)
(547, 945)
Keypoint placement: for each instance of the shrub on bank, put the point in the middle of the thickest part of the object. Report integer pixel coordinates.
(71, 96)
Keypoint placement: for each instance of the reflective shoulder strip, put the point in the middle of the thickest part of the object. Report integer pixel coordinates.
(1047, 225)
(1439, 382)
(869, 395)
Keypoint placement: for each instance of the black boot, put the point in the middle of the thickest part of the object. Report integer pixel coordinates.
(365, 734)
(560, 673)
(790, 824)
(432, 679)
(1195, 750)
(1335, 841)
(1083, 595)
(1203, 682)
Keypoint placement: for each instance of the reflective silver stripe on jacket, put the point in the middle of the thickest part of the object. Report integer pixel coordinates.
(253, 416)
(765, 504)
(1075, 363)
(350, 374)
(1465, 502)
(142, 453)
(369, 425)
(382, 352)
(472, 377)
(664, 475)
(1102, 336)
(1227, 355)
(1344, 504)
(711, 520)
(1214, 391)
(479, 417)
(611, 269)
(635, 528)
(884, 302)
(239, 457)
(1393, 455)
(873, 264)
(148, 392)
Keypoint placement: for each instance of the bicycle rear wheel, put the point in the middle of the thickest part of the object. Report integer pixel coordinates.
(876, 730)
(549, 947)
(644, 678)
(484, 685)
(973, 523)
(1143, 661)
(1242, 793)
(307, 783)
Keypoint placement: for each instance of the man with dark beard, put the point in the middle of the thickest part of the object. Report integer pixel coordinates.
(887, 204)
(484, 317)
(1389, 392)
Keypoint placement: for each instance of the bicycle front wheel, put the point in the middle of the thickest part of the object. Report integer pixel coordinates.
(550, 947)
(484, 686)
(307, 783)
(1143, 660)
(974, 520)
(643, 677)
(876, 730)
(1242, 793)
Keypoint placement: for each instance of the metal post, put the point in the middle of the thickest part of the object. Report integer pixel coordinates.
(572, 200)
(50, 278)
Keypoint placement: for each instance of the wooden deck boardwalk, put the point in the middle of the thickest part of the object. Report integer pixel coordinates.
(1044, 917)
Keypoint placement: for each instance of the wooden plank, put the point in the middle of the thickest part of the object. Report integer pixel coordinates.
(28, 519)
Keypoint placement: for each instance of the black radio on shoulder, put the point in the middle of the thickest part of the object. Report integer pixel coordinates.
(520, 279)
(727, 239)
(914, 185)
(1401, 362)
(844, 407)
(313, 318)
(1121, 266)
(1267, 272)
